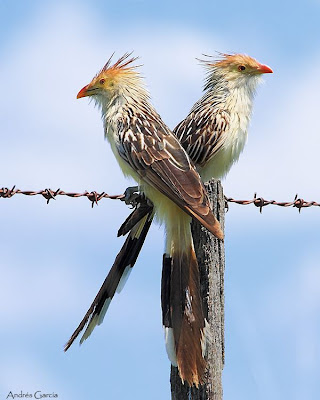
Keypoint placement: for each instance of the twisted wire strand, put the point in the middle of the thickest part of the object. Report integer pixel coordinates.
(49, 194)
(94, 197)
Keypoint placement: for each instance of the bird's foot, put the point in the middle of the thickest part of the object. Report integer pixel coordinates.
(226, 204)
(131, 196)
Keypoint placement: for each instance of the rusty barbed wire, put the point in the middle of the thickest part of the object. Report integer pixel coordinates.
(94, 197)
(260, 202)
(49, 194)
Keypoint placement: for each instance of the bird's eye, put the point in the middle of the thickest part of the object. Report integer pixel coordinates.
(241, 68)
(102, 81)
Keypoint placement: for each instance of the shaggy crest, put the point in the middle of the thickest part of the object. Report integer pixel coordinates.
(232, 70)
(114, 80)
(123, 64)
(225, 60)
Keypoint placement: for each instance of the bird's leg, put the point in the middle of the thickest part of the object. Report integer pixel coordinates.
(226, 204)
(131, 196)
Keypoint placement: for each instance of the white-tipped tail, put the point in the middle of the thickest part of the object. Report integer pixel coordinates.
(181, 303)
(115, 279)
(124, 278)
(170, 346)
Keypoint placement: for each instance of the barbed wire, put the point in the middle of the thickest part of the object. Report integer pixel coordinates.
(49, 194)
(260, 202)
(94, 197)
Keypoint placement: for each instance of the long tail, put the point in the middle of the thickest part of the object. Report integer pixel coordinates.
(182, 312)
(138, 223)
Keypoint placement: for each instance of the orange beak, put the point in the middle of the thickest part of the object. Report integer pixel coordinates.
(86, 91)
(264, 69)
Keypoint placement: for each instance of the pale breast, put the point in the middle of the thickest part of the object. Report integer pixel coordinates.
(112, 135)
(221, 162)
(239, 106)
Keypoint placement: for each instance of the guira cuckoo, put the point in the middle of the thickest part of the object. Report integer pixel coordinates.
(148, 151)
(214, 134)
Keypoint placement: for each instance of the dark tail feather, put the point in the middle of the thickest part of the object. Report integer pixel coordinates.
(143, 208)
(116, 278)
(183, 316)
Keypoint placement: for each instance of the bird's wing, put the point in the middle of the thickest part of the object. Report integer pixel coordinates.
(156, 155)
(203, 132)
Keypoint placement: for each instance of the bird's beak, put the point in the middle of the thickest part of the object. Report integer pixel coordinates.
(83, 92)
(88, 90)
(264, 69)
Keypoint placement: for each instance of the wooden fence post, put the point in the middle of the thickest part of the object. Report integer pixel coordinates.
(211, 259)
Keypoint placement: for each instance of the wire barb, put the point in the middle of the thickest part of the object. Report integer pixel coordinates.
(49, 194)
(94, 197)
(260, 202)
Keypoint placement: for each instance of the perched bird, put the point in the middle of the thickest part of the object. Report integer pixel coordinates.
(147, 151)
(216, 129)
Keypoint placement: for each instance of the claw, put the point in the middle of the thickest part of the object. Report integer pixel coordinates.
(131, 195)
(226, 204)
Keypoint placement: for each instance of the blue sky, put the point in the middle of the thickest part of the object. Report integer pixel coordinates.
(54, 258)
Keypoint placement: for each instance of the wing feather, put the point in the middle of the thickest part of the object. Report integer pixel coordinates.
(202, 134)
(161, 161)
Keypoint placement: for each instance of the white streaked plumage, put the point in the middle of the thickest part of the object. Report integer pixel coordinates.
(147, 151)
(219, 120)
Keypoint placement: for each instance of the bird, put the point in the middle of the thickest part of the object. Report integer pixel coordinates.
(150, 153)
(215, 131)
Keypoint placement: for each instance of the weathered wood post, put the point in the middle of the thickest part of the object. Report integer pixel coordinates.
(211, 259)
